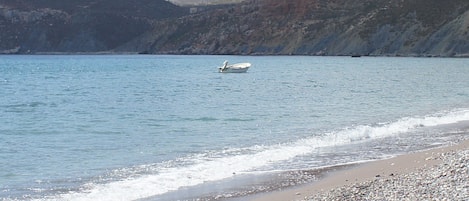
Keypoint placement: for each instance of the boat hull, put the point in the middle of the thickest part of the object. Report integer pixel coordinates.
(235, 68)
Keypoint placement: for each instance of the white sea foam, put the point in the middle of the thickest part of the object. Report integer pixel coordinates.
(217, 166)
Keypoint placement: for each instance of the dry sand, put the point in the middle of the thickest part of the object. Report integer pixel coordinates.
(383, 170)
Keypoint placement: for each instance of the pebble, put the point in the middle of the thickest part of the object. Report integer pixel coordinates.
(447, 181)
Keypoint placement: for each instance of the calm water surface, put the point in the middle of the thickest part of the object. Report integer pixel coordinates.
(127, 127)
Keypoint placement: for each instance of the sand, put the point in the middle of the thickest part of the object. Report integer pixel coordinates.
(399, 170)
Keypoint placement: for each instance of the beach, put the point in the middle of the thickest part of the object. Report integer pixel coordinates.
(436, 174)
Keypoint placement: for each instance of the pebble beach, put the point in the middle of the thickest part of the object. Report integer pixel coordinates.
(446, 181)
(436, 174)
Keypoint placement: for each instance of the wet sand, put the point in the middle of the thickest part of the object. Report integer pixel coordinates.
(362, 177)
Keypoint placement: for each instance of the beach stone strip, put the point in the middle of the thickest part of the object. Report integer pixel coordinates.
(446, 181)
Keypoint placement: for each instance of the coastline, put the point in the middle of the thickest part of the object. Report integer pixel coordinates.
(359, 177)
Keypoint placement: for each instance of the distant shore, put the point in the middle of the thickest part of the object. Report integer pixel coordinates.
(440, 173)
(252, 54)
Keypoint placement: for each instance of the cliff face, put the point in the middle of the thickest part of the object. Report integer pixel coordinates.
(304, 27)
(204, 2)
(31, 26)
(324, 27)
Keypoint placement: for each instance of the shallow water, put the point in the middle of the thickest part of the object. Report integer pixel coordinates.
(126, 127)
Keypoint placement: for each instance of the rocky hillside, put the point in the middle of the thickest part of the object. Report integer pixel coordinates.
(254, 27)
(204, 2)
(323, 27)
(34, 26)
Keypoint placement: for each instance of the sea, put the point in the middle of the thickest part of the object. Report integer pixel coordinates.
(170, 127)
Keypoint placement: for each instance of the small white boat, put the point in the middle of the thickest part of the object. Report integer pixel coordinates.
(234, 68)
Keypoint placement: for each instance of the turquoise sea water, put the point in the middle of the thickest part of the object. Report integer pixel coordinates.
(128, 127)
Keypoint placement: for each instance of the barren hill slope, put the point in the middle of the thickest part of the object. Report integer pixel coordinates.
(254, 27)
(323, 27)
(30, 26)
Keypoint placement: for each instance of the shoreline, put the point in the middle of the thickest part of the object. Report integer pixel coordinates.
(355, 175)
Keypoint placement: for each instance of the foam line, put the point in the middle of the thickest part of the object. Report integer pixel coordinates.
(221, 165)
